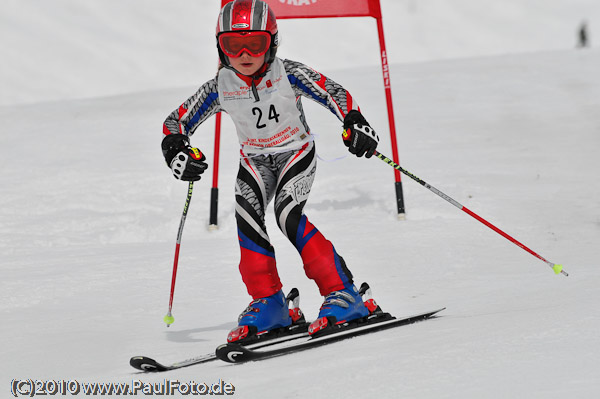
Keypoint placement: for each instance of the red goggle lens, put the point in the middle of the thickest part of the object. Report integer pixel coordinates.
(234, 44)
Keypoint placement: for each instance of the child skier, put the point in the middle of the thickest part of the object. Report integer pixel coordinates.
(262, 95)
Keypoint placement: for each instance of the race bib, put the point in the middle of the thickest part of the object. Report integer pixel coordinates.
(271, 121)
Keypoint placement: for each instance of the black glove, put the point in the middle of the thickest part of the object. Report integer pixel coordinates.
(186, 162)
(359, 136)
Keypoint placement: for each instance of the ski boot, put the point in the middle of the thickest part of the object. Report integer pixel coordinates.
(339, 307)
(345, 307)
(268, 317)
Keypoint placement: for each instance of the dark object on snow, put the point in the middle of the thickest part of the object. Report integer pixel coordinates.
(582, 35)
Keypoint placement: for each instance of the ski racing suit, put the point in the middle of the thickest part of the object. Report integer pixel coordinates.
(277, 160)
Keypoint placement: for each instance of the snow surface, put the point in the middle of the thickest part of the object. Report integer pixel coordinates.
(90, 215)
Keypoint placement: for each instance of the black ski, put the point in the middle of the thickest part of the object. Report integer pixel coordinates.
(148, 364)
(235, 353)
(297, 330)
(144, 363)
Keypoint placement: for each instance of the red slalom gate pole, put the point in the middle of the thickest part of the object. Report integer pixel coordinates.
(558, 269)
(169, 319)
(214, 191)
(390, 109)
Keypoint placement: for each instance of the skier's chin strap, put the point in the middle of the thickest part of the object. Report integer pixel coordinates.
(261, 73)
(258, 76)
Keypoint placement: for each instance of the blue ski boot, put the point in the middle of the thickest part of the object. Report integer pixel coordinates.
(262, 316)
(339, 307)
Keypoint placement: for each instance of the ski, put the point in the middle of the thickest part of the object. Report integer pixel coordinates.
(144, 363)
(254, 340)
(289, 339)
(148, 364)
(235, 353)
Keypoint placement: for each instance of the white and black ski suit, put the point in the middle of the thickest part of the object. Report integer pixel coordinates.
(277, 161)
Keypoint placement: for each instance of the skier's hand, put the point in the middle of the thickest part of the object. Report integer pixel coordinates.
(186, 162)
(359, 136)
(189, 164)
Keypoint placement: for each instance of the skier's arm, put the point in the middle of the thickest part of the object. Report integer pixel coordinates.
(185, 161)
(309, 83)
(358, 135)
(195, 110)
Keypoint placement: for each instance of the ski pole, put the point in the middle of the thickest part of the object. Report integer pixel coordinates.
(169, 319)
(556, 267)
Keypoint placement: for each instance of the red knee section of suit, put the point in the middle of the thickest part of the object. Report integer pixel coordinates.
(318, 257)
(259, 273)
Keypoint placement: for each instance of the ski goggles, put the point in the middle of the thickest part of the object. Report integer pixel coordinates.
(233, 44)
